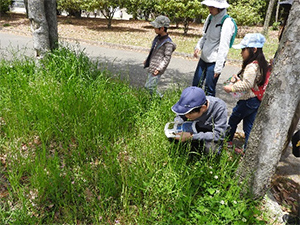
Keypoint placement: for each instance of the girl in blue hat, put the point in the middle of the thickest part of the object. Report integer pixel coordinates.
(252, 75)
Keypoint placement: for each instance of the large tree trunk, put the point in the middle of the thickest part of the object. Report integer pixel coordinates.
(43, 22)
(278, 114)
(268, 16)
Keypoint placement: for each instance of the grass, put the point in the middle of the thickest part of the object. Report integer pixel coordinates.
(78, 147)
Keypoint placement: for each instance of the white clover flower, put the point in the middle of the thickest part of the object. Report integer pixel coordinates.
(244, 220)
(217, 191)
(222, 202)
(211, 172)
(234, 202)
(210, 167)
(216, 177)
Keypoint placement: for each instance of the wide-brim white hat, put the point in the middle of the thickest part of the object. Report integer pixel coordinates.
(220, 4)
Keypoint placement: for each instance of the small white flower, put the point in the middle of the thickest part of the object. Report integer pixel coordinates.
(216, 177)
(217, 191)
(222, 202)
(244, 220)
(234, 202)
(210, 167)
(211, 172)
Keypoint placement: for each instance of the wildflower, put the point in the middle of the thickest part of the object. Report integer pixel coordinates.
(222, 202)
(234, 202)
(217, 191)
(211, 172)
(216, 177)
(210, 167)
(244, 220)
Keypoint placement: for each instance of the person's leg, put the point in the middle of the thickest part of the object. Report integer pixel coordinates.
(252, 106)
(211, 81)
(151, 83)
(199, 75)
(235, 118)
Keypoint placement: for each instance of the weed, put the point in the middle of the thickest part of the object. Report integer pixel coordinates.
(80, 147)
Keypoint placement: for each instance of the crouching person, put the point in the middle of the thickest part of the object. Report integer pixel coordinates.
(208, 117)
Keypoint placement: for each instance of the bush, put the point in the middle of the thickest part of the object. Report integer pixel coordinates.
(4, 5)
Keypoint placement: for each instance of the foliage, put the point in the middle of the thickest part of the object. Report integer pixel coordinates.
(180, 11)
(248, 12)
(108, 8)
(141, 9)
(78, 147)
(184, 11)
(4, 6)
(73, 7)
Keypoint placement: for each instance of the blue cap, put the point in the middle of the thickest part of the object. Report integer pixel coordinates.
(253, 40)
(191, 98)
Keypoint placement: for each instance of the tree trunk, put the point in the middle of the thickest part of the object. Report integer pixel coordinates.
(51, 16)
(277, 11)
(43, 22)
(268, 16)
(278, 114)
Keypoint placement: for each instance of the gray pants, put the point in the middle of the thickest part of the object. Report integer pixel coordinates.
(151, 84)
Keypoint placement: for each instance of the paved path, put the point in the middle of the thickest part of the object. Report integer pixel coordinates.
(126, 63)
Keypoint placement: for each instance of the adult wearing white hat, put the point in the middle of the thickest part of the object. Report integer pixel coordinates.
(214, 45)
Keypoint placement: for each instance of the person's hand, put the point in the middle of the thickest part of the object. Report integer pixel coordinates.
(196, 53)
(216, 75)
(184, 136)
(156, 72)
(228, 88)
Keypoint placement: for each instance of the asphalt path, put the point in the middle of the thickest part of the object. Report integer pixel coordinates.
(126, 63)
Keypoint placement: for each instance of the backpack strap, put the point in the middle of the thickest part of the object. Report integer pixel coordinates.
(221, 24)
(209, 21)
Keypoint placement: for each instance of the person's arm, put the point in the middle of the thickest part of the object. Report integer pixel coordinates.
(228, 30)
(248, 80)
(219, 126)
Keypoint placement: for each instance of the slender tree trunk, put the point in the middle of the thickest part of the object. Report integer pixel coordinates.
(268, 16)
(51, 16)
(278, 114)
(43, 23)
(277, 11)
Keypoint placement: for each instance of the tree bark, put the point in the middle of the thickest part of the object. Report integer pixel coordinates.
(268, 16)
(43, 23)
(51, 16)
(278, 114)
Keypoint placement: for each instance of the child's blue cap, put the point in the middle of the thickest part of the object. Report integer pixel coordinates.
(191, 98)
(253, 40)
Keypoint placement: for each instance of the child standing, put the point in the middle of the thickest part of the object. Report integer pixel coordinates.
(214, 45)
(252, 75)
(160, 54)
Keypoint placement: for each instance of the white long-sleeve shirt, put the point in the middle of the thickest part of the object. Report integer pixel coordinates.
(214, 44)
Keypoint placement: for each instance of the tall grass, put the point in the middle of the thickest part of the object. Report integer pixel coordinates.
(80, 148)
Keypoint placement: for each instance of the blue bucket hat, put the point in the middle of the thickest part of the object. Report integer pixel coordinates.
(191, 98)
(252, 40)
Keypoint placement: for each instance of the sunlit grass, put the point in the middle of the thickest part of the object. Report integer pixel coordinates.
(77, 147)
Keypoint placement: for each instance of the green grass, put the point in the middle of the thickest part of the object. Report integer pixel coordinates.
(80, 148)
